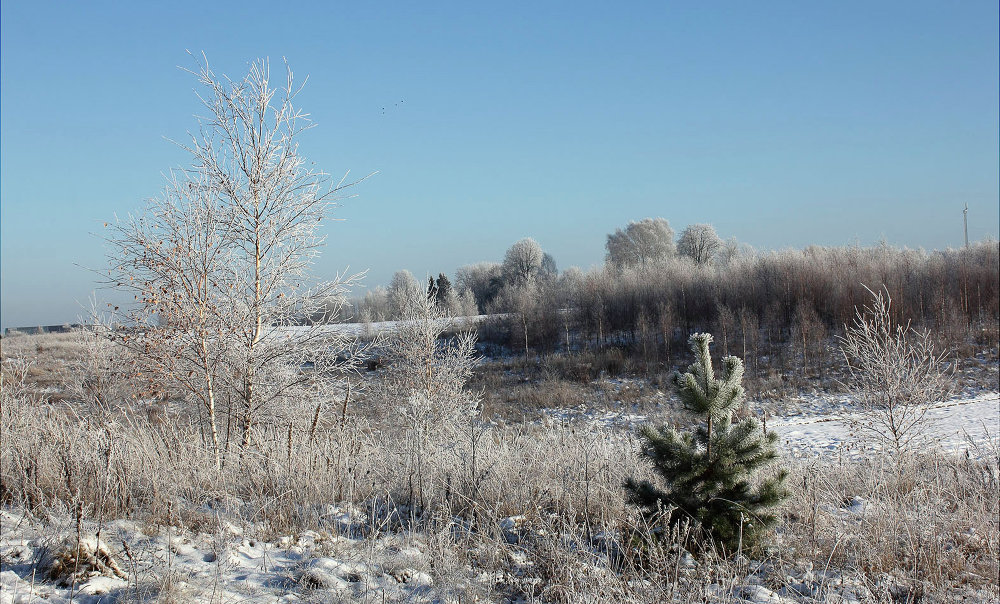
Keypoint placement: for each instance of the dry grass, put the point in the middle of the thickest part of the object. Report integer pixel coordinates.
(936, 520)
(515, 392)
(53, 359)
(542, 508)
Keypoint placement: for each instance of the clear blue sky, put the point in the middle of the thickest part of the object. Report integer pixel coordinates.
(784, 124)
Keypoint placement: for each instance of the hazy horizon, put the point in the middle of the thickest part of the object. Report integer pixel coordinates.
(783, 126)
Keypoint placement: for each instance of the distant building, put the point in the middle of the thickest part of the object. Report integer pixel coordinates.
(37, 329)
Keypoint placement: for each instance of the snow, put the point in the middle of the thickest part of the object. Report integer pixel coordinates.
(820, 424)
(954, 426)
(357, 330)
(757, 594)
(183, 566)
(342, 563)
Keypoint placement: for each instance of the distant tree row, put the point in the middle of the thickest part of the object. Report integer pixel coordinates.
(482, 287)
(650, 241)
(782, 306)
(405, 295)
(652, 291)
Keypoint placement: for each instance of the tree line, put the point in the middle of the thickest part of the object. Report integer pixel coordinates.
(652, 291)
(759, 303)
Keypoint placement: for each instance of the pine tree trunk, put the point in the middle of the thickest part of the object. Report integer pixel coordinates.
(710, 438)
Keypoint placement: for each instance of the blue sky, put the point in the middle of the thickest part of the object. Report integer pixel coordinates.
(782, 124)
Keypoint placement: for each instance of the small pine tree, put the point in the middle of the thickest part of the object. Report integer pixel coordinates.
(708, 472)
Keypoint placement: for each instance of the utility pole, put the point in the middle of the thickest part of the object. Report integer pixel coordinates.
(965, 217)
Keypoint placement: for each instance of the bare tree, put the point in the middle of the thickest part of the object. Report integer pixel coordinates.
(548, 269)
(699, 242)
(645, 334)
(809, 333)
(647, 241)
(725, 322)
(569, 286)
(522, 262)
(483, 279)
(374, 306)
(424, 386)
(405, 294)
(665, 325)
(731, 249)
(749, 336)
(896, 375)
(173, 259)
(522, 303)
(219, 264)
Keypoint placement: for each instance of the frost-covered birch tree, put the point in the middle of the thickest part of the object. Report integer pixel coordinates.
(522, 262)
(647, 241)
(699, 242)
(896, 375)
(172, 259)
(405, 294)
(424, 387)
(220, 264)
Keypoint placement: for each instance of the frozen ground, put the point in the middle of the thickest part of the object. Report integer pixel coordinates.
(137, 562)
(358, 330)
(821, 424)
(162, 563)
(146, 563)
(955, 426)
(343, 562)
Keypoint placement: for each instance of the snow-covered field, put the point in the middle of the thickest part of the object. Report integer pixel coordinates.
(226, 566)
(343, 564)
(822, 424)
(954, 426)
(126, 560)
(360, 330)
(321, 567)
